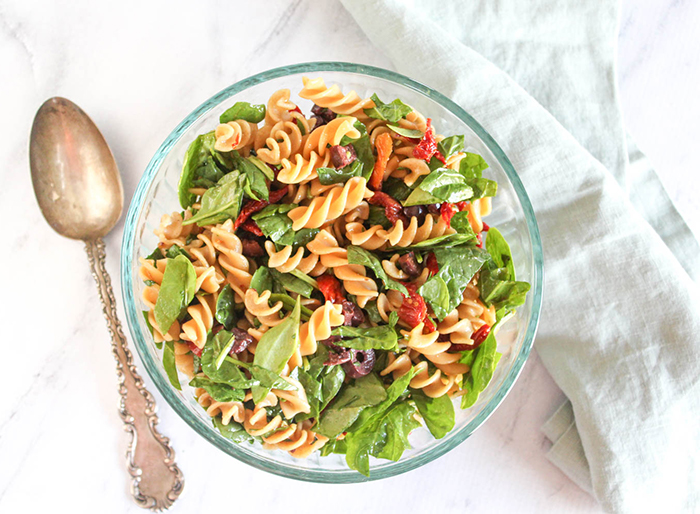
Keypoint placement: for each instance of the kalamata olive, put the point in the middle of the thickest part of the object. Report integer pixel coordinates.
(434, 208)
(361, 364)
(251, 248)
(341, 156)
(322, 115)
(343, 357)
(353, 314)
(242, 340)
(331, 343)
(418, 211)
(409, 264)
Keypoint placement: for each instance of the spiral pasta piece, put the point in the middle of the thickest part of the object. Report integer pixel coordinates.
(235, 135)
(298, 439)
(285, 139)
(430, 229)
(329, 135)
(259, 307)
(196, 329)
(414, 121)
(332, 97)
(388, 302)
(416, 167)
(366, 238)
(392, 270)
(426, 344)
(279, 107)
(208, 279)
(184, 360)
(227, 410)
(171, 231)
(354, 276)
(302, 170)
(292, 402)
(231, 258)
(319, 327)
(338, 201)
(285, 262)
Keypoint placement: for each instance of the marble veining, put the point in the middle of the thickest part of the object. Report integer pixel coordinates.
(138, 68)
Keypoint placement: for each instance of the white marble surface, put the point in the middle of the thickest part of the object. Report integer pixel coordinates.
(138, 68)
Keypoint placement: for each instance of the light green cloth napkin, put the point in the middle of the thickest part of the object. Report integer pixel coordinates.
(621, 319)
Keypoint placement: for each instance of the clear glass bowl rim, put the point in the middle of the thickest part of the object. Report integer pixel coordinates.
(206, 431)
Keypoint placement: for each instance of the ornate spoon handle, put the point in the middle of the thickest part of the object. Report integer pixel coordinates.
(157, 481)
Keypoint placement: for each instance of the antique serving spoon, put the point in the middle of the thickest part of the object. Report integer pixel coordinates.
(77, 185)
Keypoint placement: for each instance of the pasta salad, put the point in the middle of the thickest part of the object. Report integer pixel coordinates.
(330, 283)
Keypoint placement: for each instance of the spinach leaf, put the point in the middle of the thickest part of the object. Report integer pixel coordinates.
(377, 216)
(382, 430)
(372, 312)
(410, 133)
(208, 174)
(155, 255)
(481, 371)
(251, 113)
(396, 188)
(219, 392)
(460, 222)
(320, 390)
(328, 176)
(482, 187)
(312, 388)
(195, 157)
(278, 344)
(382, 337)
(227, 373)
(169, 364)
(497, 284)
(446, 241)
(304, 236)
(441, 185)
(225, 305)
(262, 280)
(275, 224)
(266, 378)
(337, 446)
(276, 347)
(363, 149)
(472, 165)
(221, 202)
(451, 145)
(174, 251)
(349, 403)
(176, 291)
(438, 413)
(358, 255)
(233, 431)
(457, 266)
(289, 303)
(391, 112)
(262, 167)
(292, 283)
(255, 184)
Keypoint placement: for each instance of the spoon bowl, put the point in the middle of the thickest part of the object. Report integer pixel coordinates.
(75, 176)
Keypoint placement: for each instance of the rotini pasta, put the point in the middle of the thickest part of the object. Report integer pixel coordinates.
(257, 271)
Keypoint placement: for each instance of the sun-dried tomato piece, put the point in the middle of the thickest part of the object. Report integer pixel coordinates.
(479, 337)
(252, 227)
(486, 227)
(447, 210)
(296, 109)
(194, 348)
(427, 146)
(384, 146)
(253, 206)
(432, 264)
(331, 289)
(462, 206)
(428, 325)
(479, 241)
(392, 208)
(413, 309)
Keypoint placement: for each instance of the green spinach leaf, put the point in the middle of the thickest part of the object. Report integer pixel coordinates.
(233, 431)
(438, 413)
(169, 364)
(441, 185)
(396, 188)
(275, 224)
(219, 392)
(292, 283)
(472, 165)
(349, 403)
(225, 308)
(451, 145)
(481, 371)
(227, 373)
(391, 112)
(255, 184)
(251, 113)
(221, 202)
(195, 157)
(457, 266)
(328, 176)
(176, 291)
(410, 133)
(381, 337)
(363, 149)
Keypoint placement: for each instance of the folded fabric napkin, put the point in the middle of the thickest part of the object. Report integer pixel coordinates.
(621, 315)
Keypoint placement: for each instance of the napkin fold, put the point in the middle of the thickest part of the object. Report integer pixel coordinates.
(621, 314)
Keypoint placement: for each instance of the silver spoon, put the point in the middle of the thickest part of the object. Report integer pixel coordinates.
(77, 185)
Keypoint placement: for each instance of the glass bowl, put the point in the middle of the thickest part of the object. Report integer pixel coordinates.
(156, 195)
